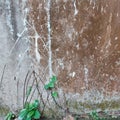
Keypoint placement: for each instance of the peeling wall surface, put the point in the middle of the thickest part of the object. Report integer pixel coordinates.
(82, 43)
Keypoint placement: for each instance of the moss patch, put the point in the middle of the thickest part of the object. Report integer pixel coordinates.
(3, 110)
(104, 105)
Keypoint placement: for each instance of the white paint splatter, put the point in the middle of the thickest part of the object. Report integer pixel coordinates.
(109, 43)
(37, 48)
(77, 46)
(64, 7)
(20, 35)
(36, 37)
(76, 11)
(111, 77)
(49, 37)
(86, 75)
(72, 74)
(117, 14)
(102, 9)
(116, 38)
(8, 16)
(61, 63)
(90, 2)
(57, 49)
(118, 62)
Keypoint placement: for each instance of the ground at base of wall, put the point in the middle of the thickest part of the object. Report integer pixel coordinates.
(101, 116)
(75, 118)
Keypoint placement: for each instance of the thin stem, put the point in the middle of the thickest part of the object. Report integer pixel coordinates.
(24, 91)
(2, 75)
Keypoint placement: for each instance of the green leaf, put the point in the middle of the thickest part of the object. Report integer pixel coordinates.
(23, 114)
(50, 85)
(36, 103)
(31, 106)
(54, 94)
(46, 86)
(53, 79)
(9, 116)
(30, 111)
(28, 118)
(30, 115)
(37, 115)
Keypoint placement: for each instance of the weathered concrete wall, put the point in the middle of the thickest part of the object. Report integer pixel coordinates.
(85, 47)
(14, 60)
(85, 50)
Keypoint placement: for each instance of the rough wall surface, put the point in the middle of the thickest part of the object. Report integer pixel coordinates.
(14, 61)
(85, 36)
(85, 46)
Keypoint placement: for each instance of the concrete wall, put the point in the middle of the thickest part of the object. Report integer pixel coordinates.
(14, 48)
(85, 48)
(85, 45)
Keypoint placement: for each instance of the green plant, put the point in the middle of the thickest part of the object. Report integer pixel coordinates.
(94, 115)
(51, 84)
(30, 111)
(10, 116)
(54, 94)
